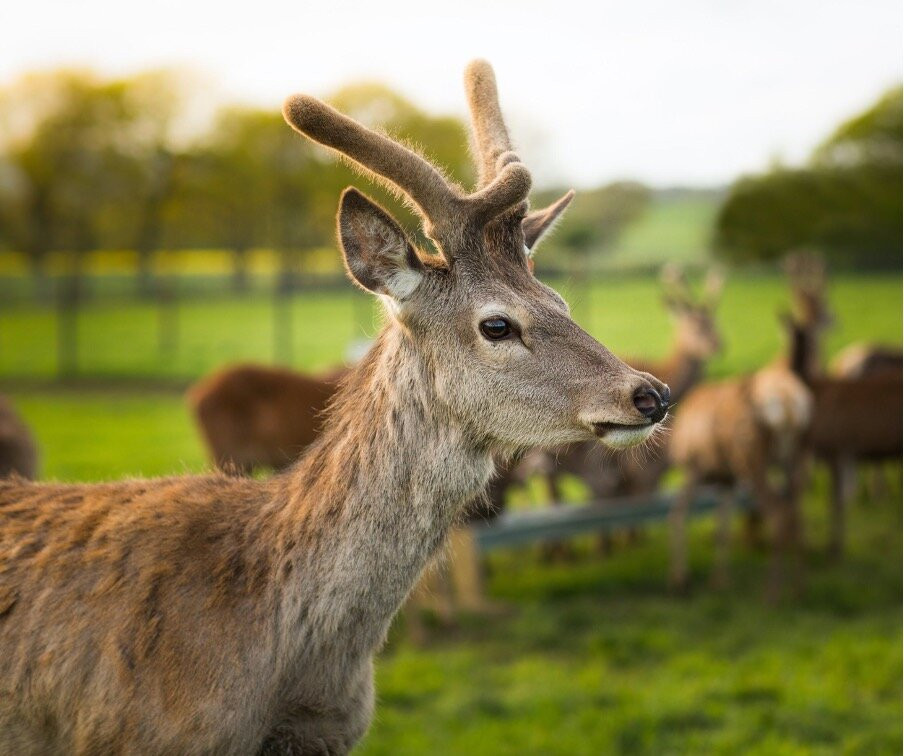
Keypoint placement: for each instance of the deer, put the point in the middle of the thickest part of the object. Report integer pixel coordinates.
(856, 419)
(229, 615)
(254, 416)
(734, 433)
(18, 451)
(857, 416)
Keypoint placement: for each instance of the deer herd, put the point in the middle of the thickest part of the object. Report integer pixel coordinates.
(229, 614)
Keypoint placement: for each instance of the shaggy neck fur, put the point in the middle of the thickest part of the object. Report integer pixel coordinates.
(368, 506)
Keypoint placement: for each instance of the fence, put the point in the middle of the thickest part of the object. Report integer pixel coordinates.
(85, 326)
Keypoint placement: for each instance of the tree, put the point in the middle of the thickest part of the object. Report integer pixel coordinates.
(598, 217)
(846, 201)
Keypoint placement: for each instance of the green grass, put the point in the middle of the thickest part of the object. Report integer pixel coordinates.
(588, 657)
(594, 657)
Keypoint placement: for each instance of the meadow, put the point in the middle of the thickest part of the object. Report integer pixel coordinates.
(588, 657)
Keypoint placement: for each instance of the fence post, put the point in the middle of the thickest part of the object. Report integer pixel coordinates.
(282, 318)
(67, 326)
(167, 317)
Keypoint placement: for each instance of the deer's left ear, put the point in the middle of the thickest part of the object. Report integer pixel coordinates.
(536, 224)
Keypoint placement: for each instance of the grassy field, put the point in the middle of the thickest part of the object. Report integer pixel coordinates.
(120, 339)
(583, 658)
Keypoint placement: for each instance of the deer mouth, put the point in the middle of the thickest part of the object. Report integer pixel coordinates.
(623, 436)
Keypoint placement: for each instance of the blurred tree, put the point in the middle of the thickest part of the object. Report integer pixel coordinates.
(597, 218)
(847, 200)
(89, 161)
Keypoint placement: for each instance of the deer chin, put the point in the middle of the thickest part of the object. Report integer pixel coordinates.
(619, 436)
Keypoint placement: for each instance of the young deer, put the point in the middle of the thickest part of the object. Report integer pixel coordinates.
(733, 432)
(252, 416)
(232, 616)
(18, 452)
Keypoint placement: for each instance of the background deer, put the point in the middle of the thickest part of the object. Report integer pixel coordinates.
(226, 615)
(857, 418)
(252, 416)
(18, 452)
(733, 432)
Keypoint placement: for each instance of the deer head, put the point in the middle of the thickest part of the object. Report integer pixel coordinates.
(504, 358)
(806, 272)
(696, 333)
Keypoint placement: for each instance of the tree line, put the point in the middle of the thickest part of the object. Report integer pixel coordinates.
(91, 163)
(846, 201)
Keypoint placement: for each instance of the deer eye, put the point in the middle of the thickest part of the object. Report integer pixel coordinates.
(496, 329)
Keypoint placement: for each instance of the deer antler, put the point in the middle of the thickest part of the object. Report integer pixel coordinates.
(713, 285)
(807, 271)
(492, 145)
(675, 284)
(441, 203)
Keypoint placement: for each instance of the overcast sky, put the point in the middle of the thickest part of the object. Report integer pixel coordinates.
(690, 92)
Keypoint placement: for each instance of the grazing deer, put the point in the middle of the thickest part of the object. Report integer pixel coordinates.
(228, 615)
(733, 432)
(253, 416)
(18, 452)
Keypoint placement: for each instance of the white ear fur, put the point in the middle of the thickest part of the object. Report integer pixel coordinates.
(377, 253)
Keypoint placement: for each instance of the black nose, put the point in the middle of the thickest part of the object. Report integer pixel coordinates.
(652, 405)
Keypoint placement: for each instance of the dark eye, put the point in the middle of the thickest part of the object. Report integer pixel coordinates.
(496, 329)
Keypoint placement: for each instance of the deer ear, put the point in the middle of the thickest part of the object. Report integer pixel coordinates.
(377, 253)
(536, 224)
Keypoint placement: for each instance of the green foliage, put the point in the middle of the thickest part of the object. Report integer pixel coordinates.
(847, 202)
(596, 217)
(89, 164)
(873, 136)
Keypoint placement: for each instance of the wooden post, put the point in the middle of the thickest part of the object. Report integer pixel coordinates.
(167, 319)
(282, 316)
(67, 326)
(467, 575)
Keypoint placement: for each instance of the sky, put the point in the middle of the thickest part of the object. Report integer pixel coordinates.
(695, 92)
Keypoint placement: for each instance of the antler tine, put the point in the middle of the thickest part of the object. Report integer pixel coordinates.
(437, 199)
(490, 134)
(806, 270)
(674, 281)
(713, 285)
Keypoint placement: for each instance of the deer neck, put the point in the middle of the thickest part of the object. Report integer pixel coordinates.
(367, 507)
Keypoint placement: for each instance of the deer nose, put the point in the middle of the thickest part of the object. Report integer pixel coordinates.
(651, 404)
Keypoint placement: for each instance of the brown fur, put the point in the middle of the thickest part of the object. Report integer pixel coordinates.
(252, 416)
(857, 418)
(859, 360)
(223, 615)
(18, 451)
